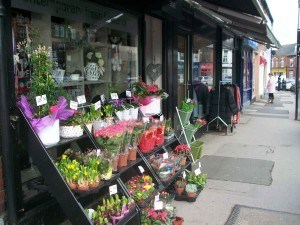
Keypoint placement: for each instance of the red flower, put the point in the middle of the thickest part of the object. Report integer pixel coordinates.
(152, 88)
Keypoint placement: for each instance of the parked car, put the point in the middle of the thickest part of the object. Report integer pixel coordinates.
(289, 82)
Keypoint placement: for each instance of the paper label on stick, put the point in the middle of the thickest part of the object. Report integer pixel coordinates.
(73, 105)
(128, 94)
(98, 105)
(114, 96)
(41, 100)
(158, 205)
(81, 99)
(142, 170)
(113, 189)
(102, 98)
(197, 171)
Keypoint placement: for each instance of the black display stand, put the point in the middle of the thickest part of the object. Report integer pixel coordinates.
(73, 203)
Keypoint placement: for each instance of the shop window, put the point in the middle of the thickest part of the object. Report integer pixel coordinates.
(97, 35)
(291, 62)
(282, 62)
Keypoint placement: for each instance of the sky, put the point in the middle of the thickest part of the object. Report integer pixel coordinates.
(285, 16)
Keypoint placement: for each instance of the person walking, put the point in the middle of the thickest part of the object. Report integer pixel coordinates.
(271, 86)
(279, 82)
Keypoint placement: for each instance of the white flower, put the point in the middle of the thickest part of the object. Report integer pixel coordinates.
(16, 58)
(101, 62)
(98, 55)
(89, 55)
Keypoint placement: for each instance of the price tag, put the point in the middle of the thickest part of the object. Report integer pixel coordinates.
(102, 98)
(44, 99)
(128, 94)
(142, 170)
(199, 164)
(161, 118)
(114, 96)
(81, 99)
(197, 171)
(184, 175)
(158, 205)
(113, 189)
(188, 100)
(39, 100)
(156, 198)
(146, 119)
(98, 152)
(98, 105)
(73, 105)
(165, 155)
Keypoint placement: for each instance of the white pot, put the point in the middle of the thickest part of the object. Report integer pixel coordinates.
(70, 131)
(92, 71)
(152, 108)
(50, 135)
(134, 112)
(126, 115)
(119, 115)
(98, 125)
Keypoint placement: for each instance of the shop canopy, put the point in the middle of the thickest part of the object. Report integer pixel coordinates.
(243, 18)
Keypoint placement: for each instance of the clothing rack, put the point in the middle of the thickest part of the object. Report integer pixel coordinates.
(218, 118)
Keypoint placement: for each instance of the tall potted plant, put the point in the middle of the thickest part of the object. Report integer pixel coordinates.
(44, 110)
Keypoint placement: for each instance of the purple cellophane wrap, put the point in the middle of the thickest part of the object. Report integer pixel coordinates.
(60, 112)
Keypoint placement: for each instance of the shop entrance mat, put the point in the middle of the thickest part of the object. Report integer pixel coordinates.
(252, 171)
(242, 215)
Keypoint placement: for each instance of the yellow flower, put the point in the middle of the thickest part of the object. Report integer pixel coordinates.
(63, 157)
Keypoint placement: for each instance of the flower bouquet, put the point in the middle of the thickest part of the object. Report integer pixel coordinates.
(182, 151)
(94, 65)
(148, 139)
(140, 187)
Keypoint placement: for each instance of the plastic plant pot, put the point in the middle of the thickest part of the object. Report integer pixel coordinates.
(185, 116)
(196, 148)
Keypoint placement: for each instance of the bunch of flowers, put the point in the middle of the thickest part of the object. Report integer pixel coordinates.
(188, 104)
(111, 138)
(182, 149)
(140, 187)
(199, 123)
(93, 56)
(143, 93)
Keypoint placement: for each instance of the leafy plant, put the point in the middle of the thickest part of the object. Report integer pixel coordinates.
(199, 180)
(187, 104)
(180, 183)
(74, 120)
(191, 188)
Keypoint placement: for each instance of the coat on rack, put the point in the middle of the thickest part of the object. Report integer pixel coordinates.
(203, 96)
(227, 104)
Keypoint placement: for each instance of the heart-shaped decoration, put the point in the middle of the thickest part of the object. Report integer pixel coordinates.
(114, 39)
(153, 71)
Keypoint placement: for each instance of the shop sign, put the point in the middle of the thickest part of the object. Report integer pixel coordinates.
(251, 44)
(75, 10)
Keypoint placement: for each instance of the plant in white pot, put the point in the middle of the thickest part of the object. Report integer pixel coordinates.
(44, 110)
(72, 127)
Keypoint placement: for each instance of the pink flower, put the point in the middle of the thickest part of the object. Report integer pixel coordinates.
(152, 88)
(182, 148)
(53, 109)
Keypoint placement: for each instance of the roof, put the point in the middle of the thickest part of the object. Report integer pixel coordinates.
(287, 50)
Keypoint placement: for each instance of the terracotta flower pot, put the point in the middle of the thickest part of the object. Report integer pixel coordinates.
(191, 195)
(132, 154)
(115, 163)
(72, 186)
(178, 221)
(123, 160)
(94, 185)
(183, 161)
(179, 190)
(83, 187)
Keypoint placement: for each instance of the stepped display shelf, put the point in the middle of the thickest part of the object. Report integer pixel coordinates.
(74, 203)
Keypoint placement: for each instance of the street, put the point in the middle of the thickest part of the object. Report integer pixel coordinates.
(256, 165)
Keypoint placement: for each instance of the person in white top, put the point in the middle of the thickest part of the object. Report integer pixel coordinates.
(271, 86)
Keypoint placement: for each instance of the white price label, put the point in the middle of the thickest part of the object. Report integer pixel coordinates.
(156, 198)
(158, 205)
(165, 155)
(142, 170)
(199, 164)
(73, 105)
(113, 189)
(128, 94)
(146, 119)
(197, 171)
(114, 96)
(102, 98)
(184, 175)
(81, 99)
(98, 105)
(98, 152)
(161, 118)
(41, 100)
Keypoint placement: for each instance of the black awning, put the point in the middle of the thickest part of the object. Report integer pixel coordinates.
(241, 24)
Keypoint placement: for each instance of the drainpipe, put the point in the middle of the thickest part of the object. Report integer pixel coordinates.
(7, 150)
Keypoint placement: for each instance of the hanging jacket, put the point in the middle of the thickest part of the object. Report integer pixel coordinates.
(227, 106)
(202, 96)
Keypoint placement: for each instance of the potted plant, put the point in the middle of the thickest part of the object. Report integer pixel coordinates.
(169, 131)
(45, 109)
(72, 127)
(138, 129)
(185, 112)
(90, 117)
(196, 148)
(182, 151)
(179, 186)
(108, 112)
(199, 180)
(158, 217)
(94, 64)
(191, 190)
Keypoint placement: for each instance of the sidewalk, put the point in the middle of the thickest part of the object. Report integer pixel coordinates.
(266, 133)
